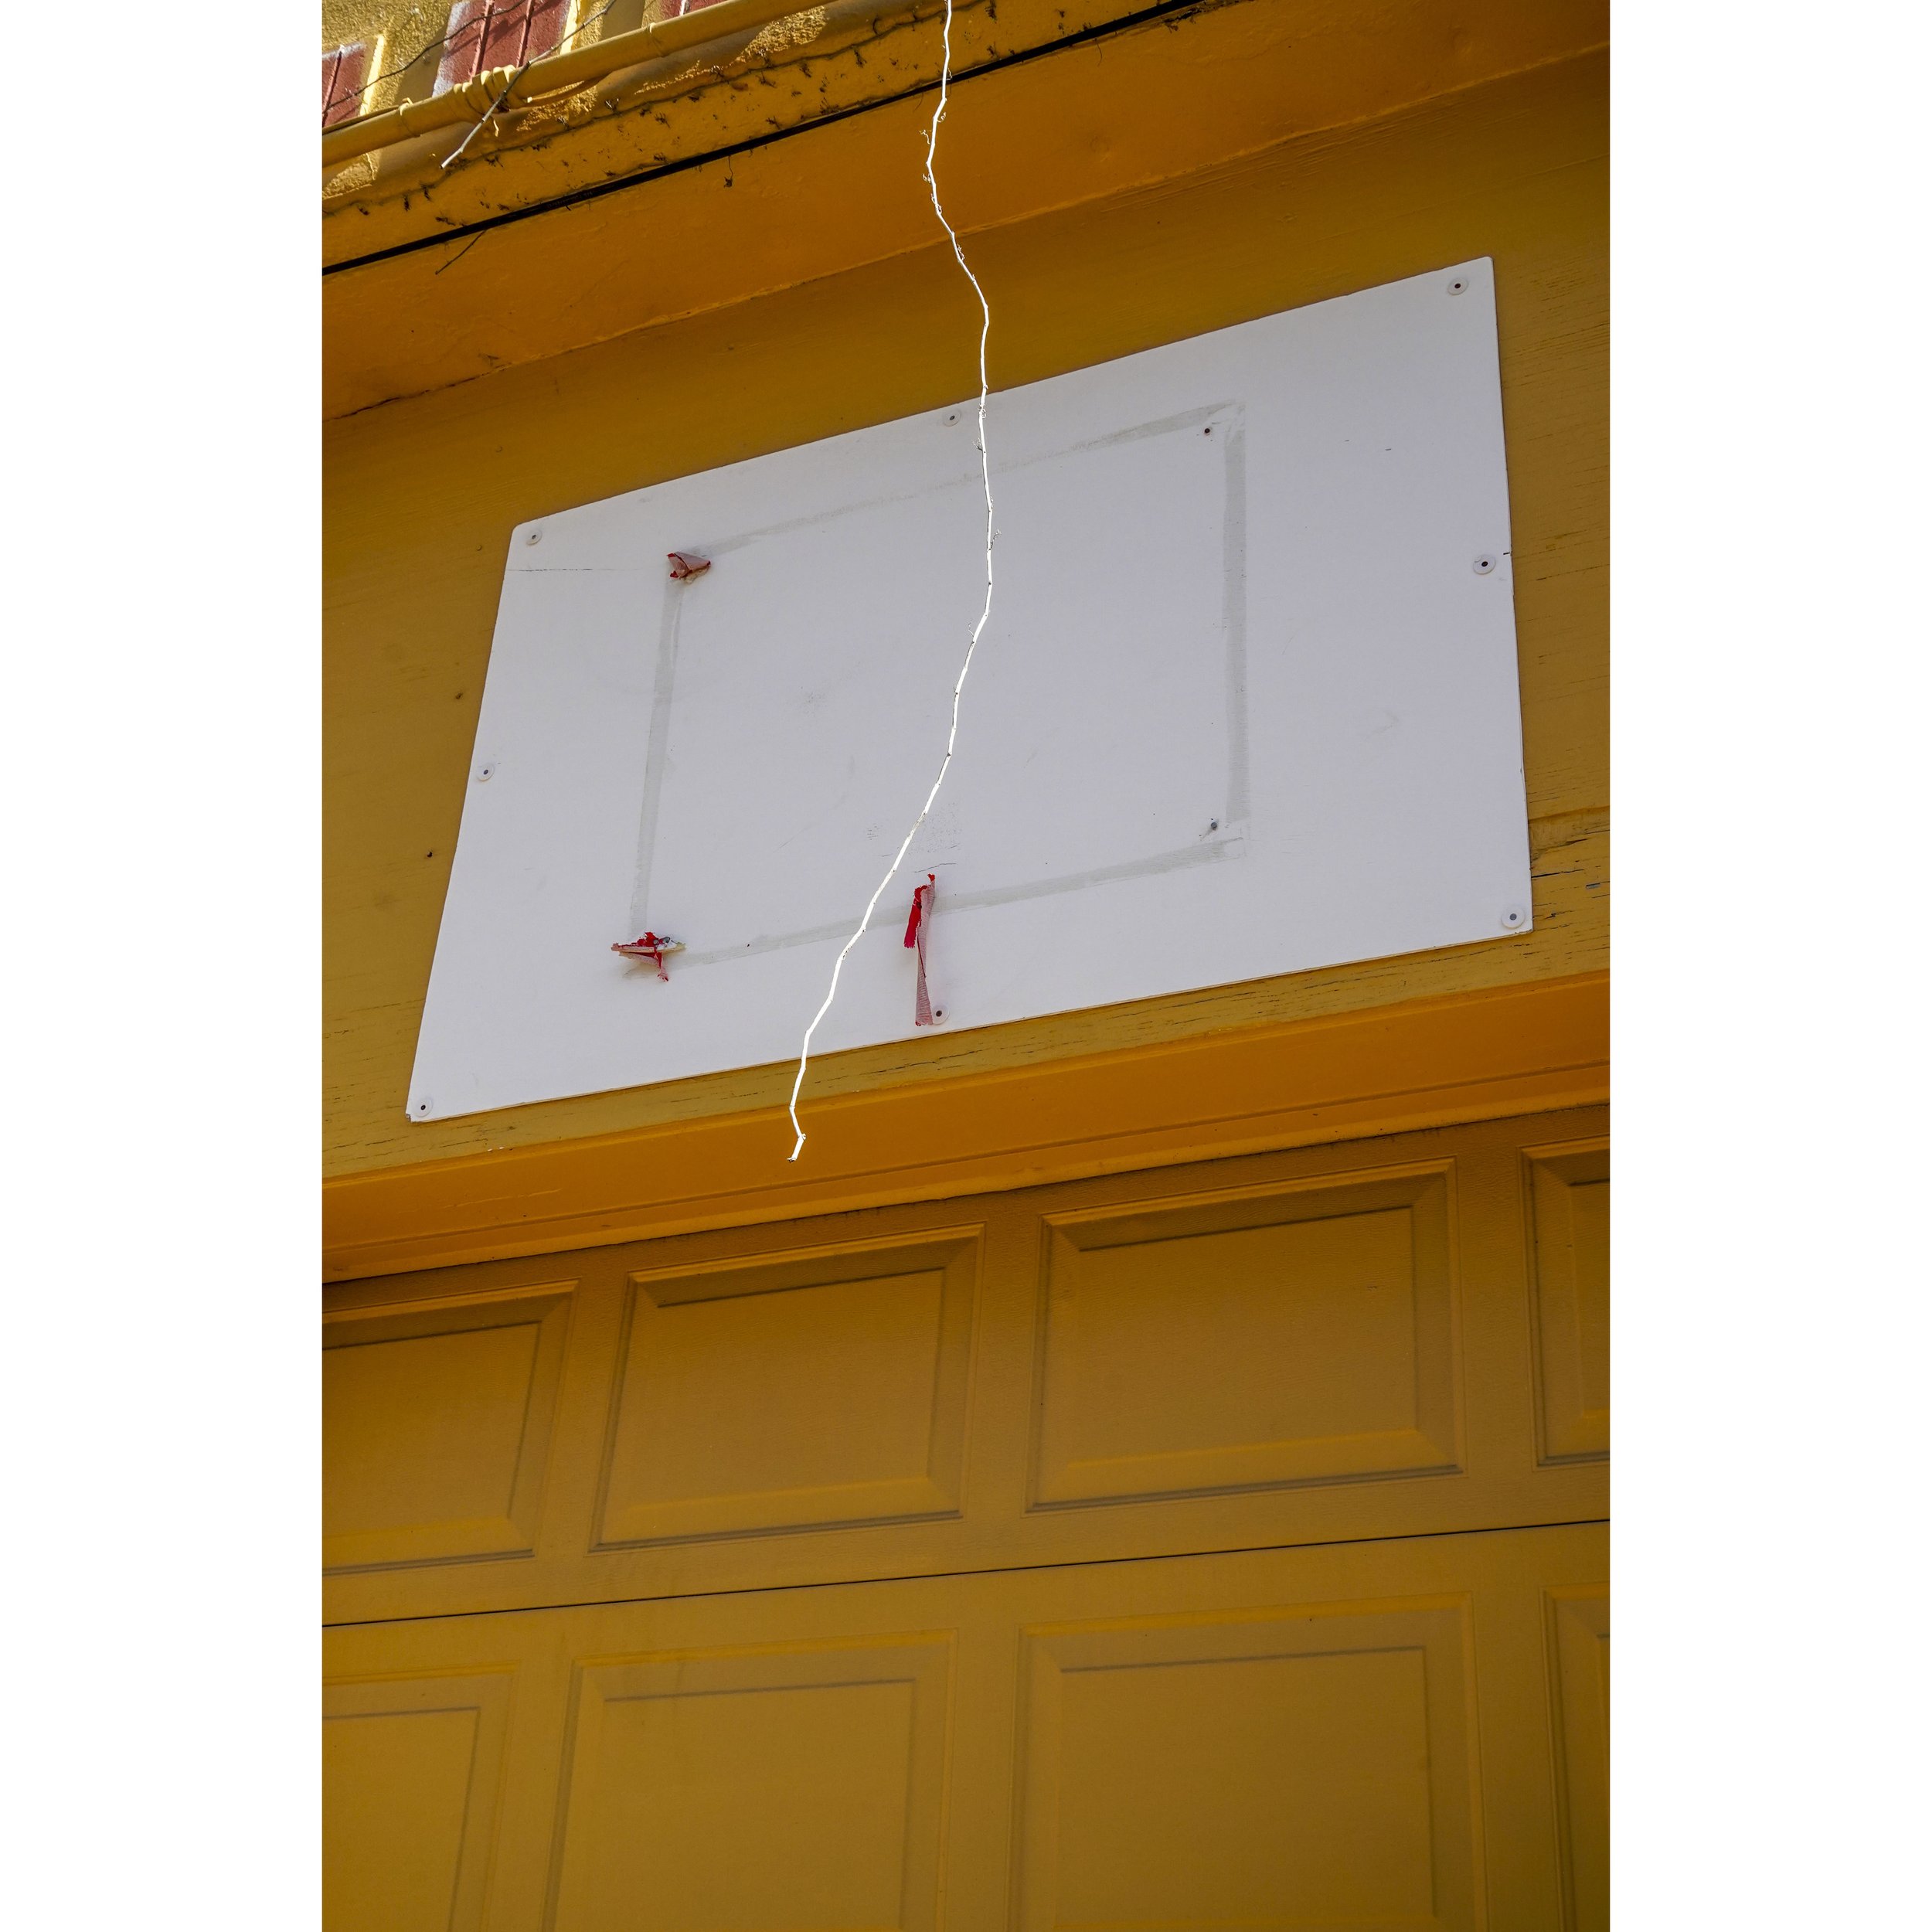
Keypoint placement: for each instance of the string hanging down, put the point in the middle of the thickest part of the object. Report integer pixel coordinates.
(986, 609)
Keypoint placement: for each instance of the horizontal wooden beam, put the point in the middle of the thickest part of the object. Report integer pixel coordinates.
(1427, 1064)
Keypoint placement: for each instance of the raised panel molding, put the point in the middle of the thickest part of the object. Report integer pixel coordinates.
(437, 1420)
(1252, 1339)
(1348, 1735)
(785, 1786)
(1306, 1768)
(1298, 1348)
(807, 1390)
(1568, 1190)
(1579, 1699)
(410, 1772)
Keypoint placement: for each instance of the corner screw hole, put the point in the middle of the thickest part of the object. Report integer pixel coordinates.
(533, 536)
(1457, 286)
(1484, 565)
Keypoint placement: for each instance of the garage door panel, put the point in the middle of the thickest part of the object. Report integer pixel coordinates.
(1315, 1345)
(1568, 1195)
(796, 1787)
(1248, 1341)
(1304, 1769)
(1373, 1734)
(410, 1772)
(1579, 1622)
(436, 1422)
(795, 1392)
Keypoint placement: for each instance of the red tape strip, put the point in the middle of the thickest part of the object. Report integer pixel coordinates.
(649, 946)
(915, 924)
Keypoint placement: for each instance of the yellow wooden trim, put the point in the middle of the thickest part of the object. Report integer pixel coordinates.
(1428, 1063)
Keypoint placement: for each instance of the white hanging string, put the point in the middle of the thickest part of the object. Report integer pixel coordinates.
(986, 480)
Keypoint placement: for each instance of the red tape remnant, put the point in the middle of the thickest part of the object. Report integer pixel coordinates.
(683, 566)
(915, 924)
(651, 947)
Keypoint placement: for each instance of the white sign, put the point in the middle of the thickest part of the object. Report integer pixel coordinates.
(1246, 706)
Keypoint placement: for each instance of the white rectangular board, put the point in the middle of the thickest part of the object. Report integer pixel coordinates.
(1247, 705)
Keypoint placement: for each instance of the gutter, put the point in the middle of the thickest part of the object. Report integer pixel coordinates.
(504, 89)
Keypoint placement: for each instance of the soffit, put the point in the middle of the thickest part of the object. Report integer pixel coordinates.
(798, 155)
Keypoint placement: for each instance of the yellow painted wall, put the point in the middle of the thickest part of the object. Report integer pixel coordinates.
(422, 492)
(402, 40)
(409, 32)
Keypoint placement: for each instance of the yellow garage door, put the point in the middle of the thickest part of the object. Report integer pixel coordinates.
(1214, 1546)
